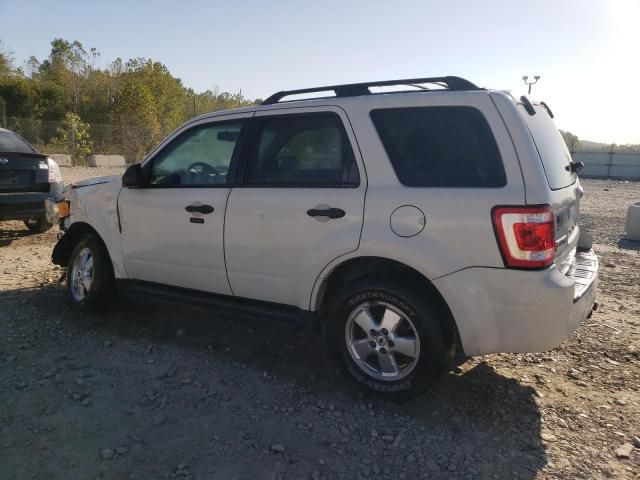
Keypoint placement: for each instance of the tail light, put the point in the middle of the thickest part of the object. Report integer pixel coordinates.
(526, 236)
(55, 175)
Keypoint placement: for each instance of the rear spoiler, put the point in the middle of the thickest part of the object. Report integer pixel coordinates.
(24, 154)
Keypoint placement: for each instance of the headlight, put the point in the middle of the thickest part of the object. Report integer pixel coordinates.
(56, 211)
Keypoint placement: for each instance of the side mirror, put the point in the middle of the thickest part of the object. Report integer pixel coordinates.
(132, 177)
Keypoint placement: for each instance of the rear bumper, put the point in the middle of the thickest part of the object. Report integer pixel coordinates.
(501, 310)
(22, 205)
(18, 206)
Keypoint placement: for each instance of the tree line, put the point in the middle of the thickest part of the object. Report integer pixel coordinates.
(69, 104)
(67, 101)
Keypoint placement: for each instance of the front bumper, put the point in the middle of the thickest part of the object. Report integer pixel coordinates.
(502, 310)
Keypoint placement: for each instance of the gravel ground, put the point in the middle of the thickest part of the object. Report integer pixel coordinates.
(148, 392)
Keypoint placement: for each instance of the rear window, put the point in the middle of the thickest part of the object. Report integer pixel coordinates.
(440, 147)
(551, 147)
(10, 142)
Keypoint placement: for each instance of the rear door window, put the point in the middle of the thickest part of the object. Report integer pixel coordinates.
(551, 147)
(302, 150)
(440, 146)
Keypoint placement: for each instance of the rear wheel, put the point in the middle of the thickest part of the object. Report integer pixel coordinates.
(90, 279)
(37, 225)
(386, 338)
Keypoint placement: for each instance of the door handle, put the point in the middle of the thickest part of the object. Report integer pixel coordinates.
(199, 208)
(326, 212)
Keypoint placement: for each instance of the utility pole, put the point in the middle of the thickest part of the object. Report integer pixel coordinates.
(535, 80)
(194, 104)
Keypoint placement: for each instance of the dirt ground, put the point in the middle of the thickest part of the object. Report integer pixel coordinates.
(145, 392)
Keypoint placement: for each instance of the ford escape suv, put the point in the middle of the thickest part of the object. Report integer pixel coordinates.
(413, 226)
(27, 180)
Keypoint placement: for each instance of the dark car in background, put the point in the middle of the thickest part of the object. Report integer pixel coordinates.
(27, 180)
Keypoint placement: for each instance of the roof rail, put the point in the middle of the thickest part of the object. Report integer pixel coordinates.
(355, 89)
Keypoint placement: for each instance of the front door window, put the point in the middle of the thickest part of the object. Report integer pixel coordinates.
(199, 157)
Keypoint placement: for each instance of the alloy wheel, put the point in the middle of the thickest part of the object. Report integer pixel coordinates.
(82, 274)
(382, 341)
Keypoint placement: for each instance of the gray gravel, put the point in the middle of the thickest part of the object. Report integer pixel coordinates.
(150, 392)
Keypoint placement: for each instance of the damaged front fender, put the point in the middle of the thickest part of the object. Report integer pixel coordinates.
(62, 250)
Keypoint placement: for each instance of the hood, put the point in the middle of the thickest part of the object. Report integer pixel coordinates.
(96, 181)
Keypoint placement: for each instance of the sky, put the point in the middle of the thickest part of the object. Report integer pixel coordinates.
(585, 51)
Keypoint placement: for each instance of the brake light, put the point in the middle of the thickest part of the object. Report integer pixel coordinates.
(55, 175)
(526, 236)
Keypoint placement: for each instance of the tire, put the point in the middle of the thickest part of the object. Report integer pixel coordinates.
(90, 261)
(37, 225)
(370, 364)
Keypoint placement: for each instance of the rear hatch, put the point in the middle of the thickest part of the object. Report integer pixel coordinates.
(564, 185)
(23, 172)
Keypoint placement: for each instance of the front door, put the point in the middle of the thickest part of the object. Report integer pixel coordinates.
(300, 207)
(172, 228)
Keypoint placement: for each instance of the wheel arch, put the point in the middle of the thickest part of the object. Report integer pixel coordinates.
(358, 267)
(64, 247)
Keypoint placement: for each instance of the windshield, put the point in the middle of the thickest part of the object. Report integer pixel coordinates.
(10, 142)
(551, 146)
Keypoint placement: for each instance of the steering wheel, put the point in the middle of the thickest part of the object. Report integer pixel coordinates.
(205, 168)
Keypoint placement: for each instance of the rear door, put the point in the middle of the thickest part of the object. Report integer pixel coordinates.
(301, 205)
(565, 189)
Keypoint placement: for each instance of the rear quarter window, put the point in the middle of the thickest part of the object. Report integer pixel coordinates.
(551, 147)
(440, 147)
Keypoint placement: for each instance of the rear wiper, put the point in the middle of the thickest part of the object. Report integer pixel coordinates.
(574, 167)
(527, 105)
(546, 107)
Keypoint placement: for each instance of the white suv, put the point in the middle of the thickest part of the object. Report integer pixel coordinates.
(412, 225)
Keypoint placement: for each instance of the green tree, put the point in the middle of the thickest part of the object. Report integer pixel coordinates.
(6, 61)
(74, 136)
(19, 94)
(136, 113)
(130, 105)
(572, 141)
(68, 65)
(167, 92)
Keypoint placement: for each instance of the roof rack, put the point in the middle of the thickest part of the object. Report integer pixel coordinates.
(355, 89)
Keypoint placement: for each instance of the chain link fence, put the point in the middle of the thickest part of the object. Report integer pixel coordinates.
(612, 163)
(106, 139)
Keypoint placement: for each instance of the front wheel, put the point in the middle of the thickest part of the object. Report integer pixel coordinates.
(37, 225)
(90, 279)
(386, 337)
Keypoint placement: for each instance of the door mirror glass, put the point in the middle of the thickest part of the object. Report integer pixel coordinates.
(132, 176)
